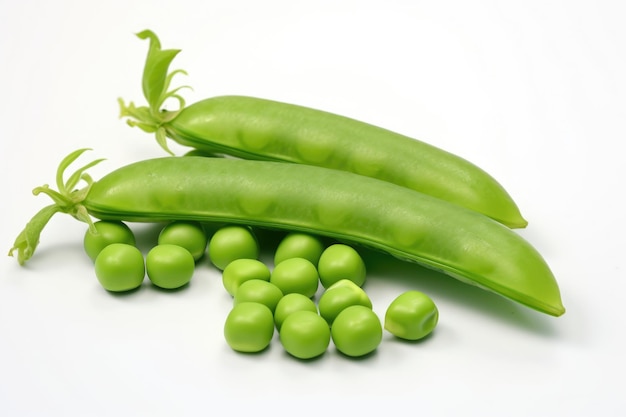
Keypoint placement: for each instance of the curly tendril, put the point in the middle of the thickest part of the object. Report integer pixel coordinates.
(67, 199)
(156, 83)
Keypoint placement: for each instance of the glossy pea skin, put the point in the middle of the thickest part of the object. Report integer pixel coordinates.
(241, 270)
(334, 301)
(259, 291)
(230, 243)
(339, 262)
(305, 335)
(335, 204)
(296, 275)
(412, 315)
(356, 331)
(108, 232)
(289, 304)
(120, 267)
(364, 299)
(249, 327)
(256, 128)
(189, 235)
(169, 266)
(299, 245)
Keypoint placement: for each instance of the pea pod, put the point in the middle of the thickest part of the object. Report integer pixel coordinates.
(353, 208)
(255, 128)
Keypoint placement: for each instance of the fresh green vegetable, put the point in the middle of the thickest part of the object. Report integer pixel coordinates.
(334, 301)
(107, 232)
(230, 243)
(241, 270)
(255, 128)
(289, 304)
(169, 266)
(296, 275)
(364, 299)
(339, 262)
(120, 267)
(299, 245)
(356, 331)
(305, 335)
(249, 327)
(409, 225)
(259, 291)
(412, 315)
(189, 235)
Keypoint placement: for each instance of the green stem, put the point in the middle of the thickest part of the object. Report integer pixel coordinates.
(156, 82)
(66, 200)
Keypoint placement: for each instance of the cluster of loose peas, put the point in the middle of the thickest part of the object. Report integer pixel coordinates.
(264, 300)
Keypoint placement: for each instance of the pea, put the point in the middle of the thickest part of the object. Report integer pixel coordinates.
(411, 316)
(230, 243)
(338, 262)
(189, 235)
(120, 267)
(334, 300)
(289, 304)
(299, 245)
(249, 327)
(356, 331)
(108, 232)
(364, 299)
(296, 275)
(242, 270)
(305, 335)
(259, 291)
(169, 266)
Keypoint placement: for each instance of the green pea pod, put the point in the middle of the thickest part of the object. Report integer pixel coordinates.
(254, 128)
(353, 208)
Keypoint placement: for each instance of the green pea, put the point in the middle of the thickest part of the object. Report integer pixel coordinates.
(411, 316)
(169, 266)
(189, 235)
(259, 291)
(242, 270)
(249, 327)
(305, 335)
(230, 243)
(334, 300)
(299, 245)
(291, 303)
(120, 267)
(108, 232)
(356, 331)
(364, 299)
(338, 262)
(296, 275)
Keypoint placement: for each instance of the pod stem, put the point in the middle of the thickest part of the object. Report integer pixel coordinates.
(67, 199)
(156, 90)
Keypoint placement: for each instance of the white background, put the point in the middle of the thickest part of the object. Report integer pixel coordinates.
(532, 91)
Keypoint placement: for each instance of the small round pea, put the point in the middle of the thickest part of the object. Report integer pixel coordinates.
(334, 300)
(108, 232)
(189, 235)
(289, 304)
(356, 331)
(305, 335)
(259, 291)
(241, 270)
(296, 275)
(230, 243)
(299, 245)
(249, 327)
(169, 266)
(120, 267)
(338, 262)
(364, 299)
(411, 316)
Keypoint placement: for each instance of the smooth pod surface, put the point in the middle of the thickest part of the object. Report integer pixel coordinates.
(342, 205)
